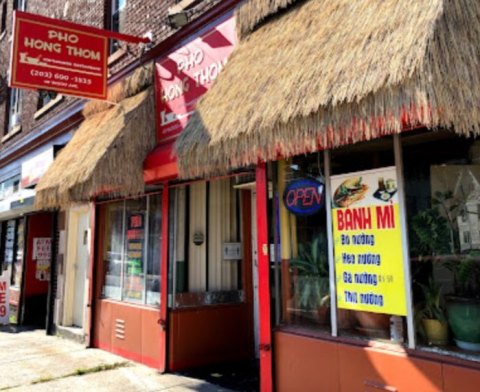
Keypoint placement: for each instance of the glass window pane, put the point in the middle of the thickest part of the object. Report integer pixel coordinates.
(442, 184)
(113, 249)
(305, 299)
(207, 223)
(134, 265)
(154, 249)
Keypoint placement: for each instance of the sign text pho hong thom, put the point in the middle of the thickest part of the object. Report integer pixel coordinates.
(54, 55)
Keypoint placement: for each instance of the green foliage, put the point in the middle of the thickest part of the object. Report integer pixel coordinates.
(466, 276)
(311, 281)
(431, 233)
(432, 308)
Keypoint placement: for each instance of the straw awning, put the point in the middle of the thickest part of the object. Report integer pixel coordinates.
(106, 153)
(323, 73)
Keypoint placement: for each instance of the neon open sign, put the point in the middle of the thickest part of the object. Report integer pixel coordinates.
(304, 197)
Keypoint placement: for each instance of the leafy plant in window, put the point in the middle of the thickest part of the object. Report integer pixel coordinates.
(311, 282)
(432, 313)
(463, 307)
(430, 229)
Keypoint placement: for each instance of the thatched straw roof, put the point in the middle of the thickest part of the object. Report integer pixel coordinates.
(325, 73)
(105, 156)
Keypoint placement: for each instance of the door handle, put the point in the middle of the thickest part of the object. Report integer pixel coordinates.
(379, 386)
(264, 347)
(163, 324)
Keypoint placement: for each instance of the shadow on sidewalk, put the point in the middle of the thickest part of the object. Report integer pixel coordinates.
(241, 377)
(12, 328)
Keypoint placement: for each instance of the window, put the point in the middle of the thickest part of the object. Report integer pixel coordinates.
(206, 221)
(117, 20)
(44, 97)
(3, 16)
(441, 179)
(442, 183)
(20, 5)
(14, 108)
(132, 230)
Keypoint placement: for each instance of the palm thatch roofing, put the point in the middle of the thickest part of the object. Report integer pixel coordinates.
(324, 73)
(106, 153)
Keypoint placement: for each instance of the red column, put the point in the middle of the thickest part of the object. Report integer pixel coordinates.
(164, 279)
(91, 268)
(266, 383)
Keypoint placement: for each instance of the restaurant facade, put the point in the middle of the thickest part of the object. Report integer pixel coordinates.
(362, 133)
(315, 209)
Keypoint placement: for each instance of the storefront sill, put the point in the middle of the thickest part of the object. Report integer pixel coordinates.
(204, 307)
(446, 357)
(352, 341)
(429, 353)
(129, 304)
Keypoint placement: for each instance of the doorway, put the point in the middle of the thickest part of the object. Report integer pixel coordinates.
(256, 308)
(76, 267)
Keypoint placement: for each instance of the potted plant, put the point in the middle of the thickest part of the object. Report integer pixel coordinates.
(311, 281)
(432, 314)
(463, 306)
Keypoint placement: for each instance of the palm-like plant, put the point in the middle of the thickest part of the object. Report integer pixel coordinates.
(311, 268)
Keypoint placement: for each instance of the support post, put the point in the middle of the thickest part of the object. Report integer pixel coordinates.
(266, 382)
(397, 148)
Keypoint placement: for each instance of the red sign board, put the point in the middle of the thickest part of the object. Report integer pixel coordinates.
(184, 75)
(54, 55)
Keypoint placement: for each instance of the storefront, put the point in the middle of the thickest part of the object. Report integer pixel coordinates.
(210, 256)
(371, 213)
(26, 236)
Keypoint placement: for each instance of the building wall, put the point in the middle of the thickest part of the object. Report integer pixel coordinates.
(142, 16)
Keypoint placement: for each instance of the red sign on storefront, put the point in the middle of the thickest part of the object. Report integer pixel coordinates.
(187, 73)
(54, 55)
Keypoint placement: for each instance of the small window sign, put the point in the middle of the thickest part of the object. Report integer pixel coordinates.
(232, 250)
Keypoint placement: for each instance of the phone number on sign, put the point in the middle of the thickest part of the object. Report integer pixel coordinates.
(60, 77)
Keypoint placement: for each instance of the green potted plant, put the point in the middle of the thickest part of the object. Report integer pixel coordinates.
(311, 281)
(432, 314)
(463, 306)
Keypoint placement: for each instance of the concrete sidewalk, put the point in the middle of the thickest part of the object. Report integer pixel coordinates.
(32, 361)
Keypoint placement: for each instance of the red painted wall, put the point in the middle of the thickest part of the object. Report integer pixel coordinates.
(38, 226)
(313, 364)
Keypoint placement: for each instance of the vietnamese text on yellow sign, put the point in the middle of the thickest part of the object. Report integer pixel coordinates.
(368, 259)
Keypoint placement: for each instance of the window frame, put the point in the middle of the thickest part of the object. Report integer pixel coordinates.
(145, 249)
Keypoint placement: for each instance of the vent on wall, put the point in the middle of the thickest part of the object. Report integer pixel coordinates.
(120, 329)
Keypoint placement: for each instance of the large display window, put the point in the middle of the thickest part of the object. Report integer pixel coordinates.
(131, 251)
(393, 253)
(206, 244)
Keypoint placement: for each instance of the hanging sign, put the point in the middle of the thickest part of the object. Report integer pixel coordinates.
(42, 253)
(54, 55)
(34, 168)
(184, 75)
(304, 197)
(368, 243)
(4, 299)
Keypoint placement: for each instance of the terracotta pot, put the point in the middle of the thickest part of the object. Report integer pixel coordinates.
(346, 319)
(323, 313)
(437, 332)
(370, 320)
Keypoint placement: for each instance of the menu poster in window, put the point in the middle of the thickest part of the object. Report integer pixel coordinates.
(42, 253)
(4, 299)
(9, 242)
(367, 242)
(135, 252)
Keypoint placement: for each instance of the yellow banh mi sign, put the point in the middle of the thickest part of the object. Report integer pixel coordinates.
(367, 242)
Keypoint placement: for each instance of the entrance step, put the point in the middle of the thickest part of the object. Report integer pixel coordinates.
(72, 333)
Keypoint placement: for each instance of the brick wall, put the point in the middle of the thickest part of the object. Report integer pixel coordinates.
(141, 16)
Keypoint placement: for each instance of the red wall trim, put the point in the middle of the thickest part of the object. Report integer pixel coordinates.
(163, 320)
(266, 382)
(151, 362)
(91, 270)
